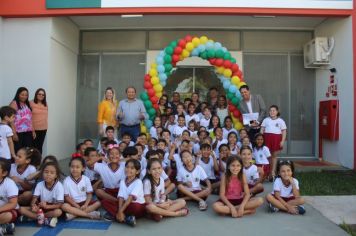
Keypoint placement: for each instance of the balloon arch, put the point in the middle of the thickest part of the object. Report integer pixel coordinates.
(225, 65)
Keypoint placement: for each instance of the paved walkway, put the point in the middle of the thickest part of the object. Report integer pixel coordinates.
(205, 223)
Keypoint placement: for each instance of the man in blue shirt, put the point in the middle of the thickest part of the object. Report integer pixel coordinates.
(130, 114)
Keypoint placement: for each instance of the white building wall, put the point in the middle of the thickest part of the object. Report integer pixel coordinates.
(42, 52)
(62, 85)
(342, 151)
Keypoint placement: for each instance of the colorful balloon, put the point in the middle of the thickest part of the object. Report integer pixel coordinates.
(158, 88)
(189, 46)
(227, 73)
(203, 39)
(153, 72)
(154, 80)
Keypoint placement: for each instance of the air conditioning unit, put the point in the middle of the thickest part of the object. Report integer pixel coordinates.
(317, 52)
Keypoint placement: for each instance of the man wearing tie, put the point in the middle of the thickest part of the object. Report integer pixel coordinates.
(252, 104)
(130, 113)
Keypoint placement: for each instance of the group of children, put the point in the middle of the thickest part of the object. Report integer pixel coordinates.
(131, 180)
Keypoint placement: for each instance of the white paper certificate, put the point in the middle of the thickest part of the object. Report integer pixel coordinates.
(248, 117)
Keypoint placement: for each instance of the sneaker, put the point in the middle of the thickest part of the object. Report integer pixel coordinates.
(22, 219)
(95, 215)
(51, 222)
(8, 228)
(108, 217)
(301, 210)
(69, 217)
(130, 220)
(272, 209)
(202, 205)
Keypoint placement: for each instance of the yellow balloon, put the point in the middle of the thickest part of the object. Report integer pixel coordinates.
(159, 94)
(227, 72)
(221, 70)
(211, 41)
(153, 65)
(181, 57)
(235, 80)
(196, 41)
(238, 125)
(189, 46)
(203, 39)
(185, 53)
(154, 80)
(158, 88)
(241, 84)
(143, 129)
(153, 72)
(234, 120)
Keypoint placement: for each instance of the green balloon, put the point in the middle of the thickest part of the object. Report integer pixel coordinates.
(148, 104)
(173, 44)
(219, 53)
(167, 58)
(144, 96)
(204, 55)
(151, 112)
(168, 73)
(227, 56)
(169, 50)
(230, 95)
(168, 67)
(233, 60)
(235, 101)
(211, 53)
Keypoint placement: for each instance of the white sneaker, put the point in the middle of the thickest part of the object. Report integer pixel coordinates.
(69, 216)
(51, 222)
(95, 215)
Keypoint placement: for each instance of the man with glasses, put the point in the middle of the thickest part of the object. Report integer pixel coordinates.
(175, 101)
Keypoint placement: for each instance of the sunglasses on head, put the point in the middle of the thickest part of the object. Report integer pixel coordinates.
(285, 162)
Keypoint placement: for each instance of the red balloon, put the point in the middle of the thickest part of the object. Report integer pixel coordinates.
(181, 43)
(147, 85)
(239, 73)
(212, 61)
(151, 92)
(154, 99)
(236, 113)
(235, 74)
(175, 58)
(155, 106)
(232, 108)
(219, 62)
(178, 50)
(188, 38)
(234, 67)
(227, 64)
(147, 77)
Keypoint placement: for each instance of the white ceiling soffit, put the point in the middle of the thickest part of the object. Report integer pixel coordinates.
(194, 21)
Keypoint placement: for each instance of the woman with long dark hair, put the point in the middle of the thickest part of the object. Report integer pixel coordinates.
(39, 117)
(24, 134)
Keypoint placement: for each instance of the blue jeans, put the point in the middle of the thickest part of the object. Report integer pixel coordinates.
(133, 130)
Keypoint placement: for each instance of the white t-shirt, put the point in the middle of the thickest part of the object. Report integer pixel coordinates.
(204, 122)
(178, 160)
(249, 105)
(28, 171)
(261, 155)
(153, 132)
(8, 190)
(227, 131)
(91, 174)
(77, 189)
(111, 178)
(134, 189)
(273, 126)
(234, 150)
(52, 195)
(208, 167)
(5, 132)
(216, 150)
(178, 130)
(196, 148)
(159, 189)
(251, 174)
(284, 191)
(191, 117)
(195, 176)
(166, 163)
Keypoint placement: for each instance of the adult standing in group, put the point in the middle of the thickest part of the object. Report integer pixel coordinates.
(252, 104)
(213, 99)
(107, 111)
(196, 101)
(175, 101)
(39, 117)
(24, 134)
(131, 112)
